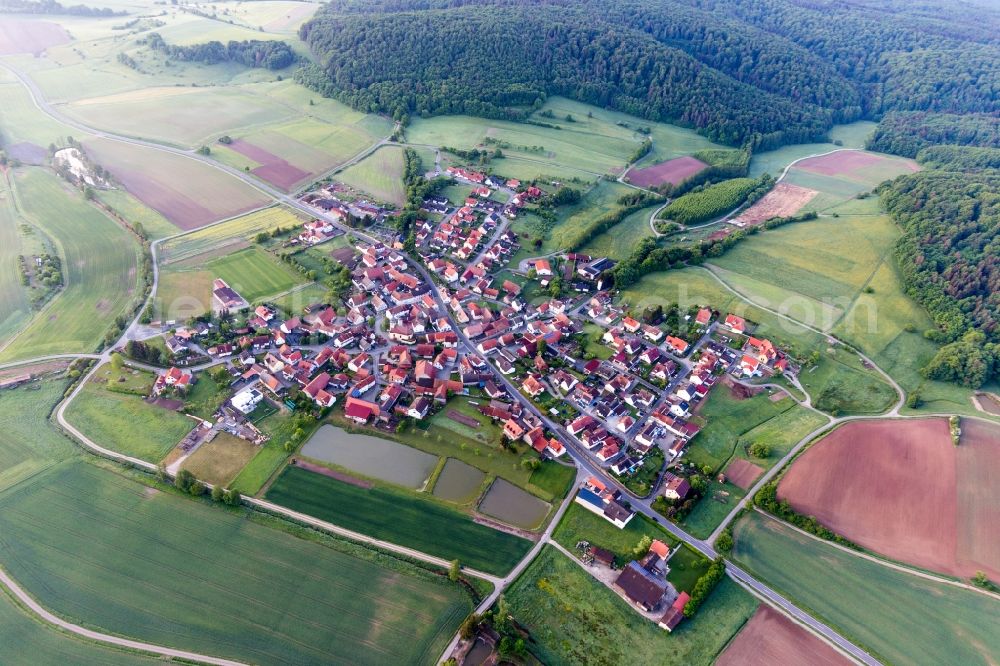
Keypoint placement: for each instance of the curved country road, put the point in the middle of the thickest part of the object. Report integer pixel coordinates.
(89, 634)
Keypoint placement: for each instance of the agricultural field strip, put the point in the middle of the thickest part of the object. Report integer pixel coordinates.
(60, 414)
(891, 564)
(71, 507)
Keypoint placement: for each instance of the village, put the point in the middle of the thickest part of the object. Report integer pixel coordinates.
(618, 391)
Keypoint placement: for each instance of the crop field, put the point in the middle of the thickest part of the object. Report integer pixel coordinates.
(228, 236)
(129, 208)
(574, 619)
(95, 546)
(400, 518)
(23, 123)
(783, 201)
(183, 116)
(852, 135)
(620, 241)
(772, 638)
(711, 202)
(672, 171)
(185, 191)
(900, 488)
(15, 306)
(152, 431)
(380, 175)
(899, 617)
(270, 167)
(27, 36)
(28, 641)
(28, 442)
(842, 175)
(98, 264)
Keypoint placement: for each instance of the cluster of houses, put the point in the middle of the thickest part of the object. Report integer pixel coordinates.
(329, 200)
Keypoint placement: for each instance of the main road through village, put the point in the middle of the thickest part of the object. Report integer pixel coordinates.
(585, 465)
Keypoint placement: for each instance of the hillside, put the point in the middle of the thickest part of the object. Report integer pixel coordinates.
(768, 73)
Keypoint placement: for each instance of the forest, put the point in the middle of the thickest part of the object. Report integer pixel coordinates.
(745, 72)
(254, 53)
(906, 133)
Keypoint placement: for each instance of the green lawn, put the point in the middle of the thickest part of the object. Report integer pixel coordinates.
(279, 426)
(28, 442)
(380, 175)
(727, 419)
(899, 617)
(99, 261)
(553, 478)
(101, 548)
(400, 518)
(254, 273)
(578, 524)
(126, 423)
(574, 619)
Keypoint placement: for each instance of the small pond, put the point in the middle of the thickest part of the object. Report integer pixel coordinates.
(514, 506)
(372, 456)
(458, 482)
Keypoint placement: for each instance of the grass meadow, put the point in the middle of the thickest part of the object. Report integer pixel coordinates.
(852, 135)
(619, 242)
(380, 175)
(15, 306)
(221, 460)
(397, 517)
(99, 261)
(227, 236)
(574, 619)
(97, 547)
(99, 413)
(28, 442)
(897, 616)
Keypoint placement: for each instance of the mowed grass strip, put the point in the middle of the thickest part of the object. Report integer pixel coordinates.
(97, 547)
(254, 274)
(399, 518)
(574, 619)
(99, 261)
(900, 617)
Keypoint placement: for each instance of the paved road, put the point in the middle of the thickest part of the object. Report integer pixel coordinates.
(582, 459)
(18, 592)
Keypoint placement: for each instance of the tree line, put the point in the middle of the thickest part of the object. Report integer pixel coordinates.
(265, 54)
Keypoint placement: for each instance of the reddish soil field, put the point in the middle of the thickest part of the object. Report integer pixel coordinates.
(672, 171)
(988, 403)
(465, 420)
(783, 201)
(272, 168)
(900, 488)
(29, 36)
(771, 638)
(333, 474)
(184, 212)
(742, 473)
(843, 162)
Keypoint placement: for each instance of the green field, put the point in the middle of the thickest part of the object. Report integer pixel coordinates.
(28, 442)
(279, 427)
(26, 640)
(102, 415)
(574, 619)
(186, 290)
(99, 268)
(15, 306)
(380, 175)
(128, 207)
(578, 524)
(839, 379)
(400, 518)
(97, 547)
(899, 617)
(620, 241)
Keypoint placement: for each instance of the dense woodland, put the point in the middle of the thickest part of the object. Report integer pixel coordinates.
(253, 53)
(757, 72)
(906, 133)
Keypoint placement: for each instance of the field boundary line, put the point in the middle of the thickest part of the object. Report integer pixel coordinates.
(764, 600)
(51, 619)
(891, 564)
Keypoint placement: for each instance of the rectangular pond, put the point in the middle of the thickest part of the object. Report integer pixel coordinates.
(514, 506)
(459, 482)
(371, 456)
